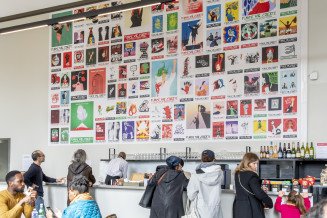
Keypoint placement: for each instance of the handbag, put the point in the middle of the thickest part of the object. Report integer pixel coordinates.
(190, 213)
(146, 199)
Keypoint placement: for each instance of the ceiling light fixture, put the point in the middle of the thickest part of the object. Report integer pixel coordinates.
(81, 16)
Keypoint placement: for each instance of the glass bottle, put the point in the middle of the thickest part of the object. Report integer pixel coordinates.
(280, 152)
(264, 152)
(267, 153)
(302, 150)
(312, 151)
(298, 150)
(288, 152)
(284, 151)
(307, 152)
(293, 150)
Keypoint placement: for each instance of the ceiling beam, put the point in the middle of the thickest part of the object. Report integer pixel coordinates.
(49, 10)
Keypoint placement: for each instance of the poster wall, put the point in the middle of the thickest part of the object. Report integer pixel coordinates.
(188, 70)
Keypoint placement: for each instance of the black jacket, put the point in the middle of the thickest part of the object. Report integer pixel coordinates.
(79, 168)
(167, 199)
(245, 204)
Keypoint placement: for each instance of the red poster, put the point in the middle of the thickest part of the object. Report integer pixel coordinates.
(142, 129)
(290, 125)
(290, 104)
(100, 132)
(218, 130)
(246, 107)
(97, 81)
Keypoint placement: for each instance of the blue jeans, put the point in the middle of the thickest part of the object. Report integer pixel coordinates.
(39, 201)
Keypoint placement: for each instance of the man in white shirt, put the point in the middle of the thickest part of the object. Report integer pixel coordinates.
(117, 168)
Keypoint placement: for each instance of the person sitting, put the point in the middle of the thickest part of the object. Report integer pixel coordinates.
(204, 187)
(13, 203)
(81, 202)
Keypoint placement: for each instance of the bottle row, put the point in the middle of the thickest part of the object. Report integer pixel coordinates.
(272, 152)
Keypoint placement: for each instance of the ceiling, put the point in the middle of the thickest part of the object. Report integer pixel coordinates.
(12, 7)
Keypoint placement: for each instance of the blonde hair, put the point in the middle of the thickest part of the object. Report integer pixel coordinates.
(247, 159)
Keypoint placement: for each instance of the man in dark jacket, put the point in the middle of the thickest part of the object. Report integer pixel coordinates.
(79, 167)
(168, 196)
(34, 177)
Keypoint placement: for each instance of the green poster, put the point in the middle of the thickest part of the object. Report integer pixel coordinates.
(91, 56)
(64, 135)
(62, 34)
(81, 116)
(172, 21)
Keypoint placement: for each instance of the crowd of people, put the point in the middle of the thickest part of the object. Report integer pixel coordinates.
(164, 193)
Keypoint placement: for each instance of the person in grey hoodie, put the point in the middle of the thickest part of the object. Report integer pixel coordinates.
(204, 188)
(79, 167)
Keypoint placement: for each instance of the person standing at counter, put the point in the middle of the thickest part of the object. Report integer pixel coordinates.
(79, 167)
(117, 168)
(204, 187)
(167, 201)
(34, 177)
(250, 199)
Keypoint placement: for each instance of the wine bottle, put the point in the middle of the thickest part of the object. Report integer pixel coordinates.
(284, 151)
(289, 152)
(307, 152)
(302, 150)
(260, 152)
(264, 152)
(298, 151)
(275, 152)
(267, 153)
(312, 151)
(271, 150)
(293, 150)
(280, 152)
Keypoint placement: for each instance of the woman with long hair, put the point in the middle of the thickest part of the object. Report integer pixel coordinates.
(295, 206)
(250, 199)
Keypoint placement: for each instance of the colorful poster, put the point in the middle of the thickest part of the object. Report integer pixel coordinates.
(290, 105)
(290, 125)
(62, 34)
(268, 28)
(142, 129)
(213, 14)
(288, 3)
(287, 25)
(259, 126)
(198, 115)
(252, 7)
(157, 24)
(288, 81)
(269, 54)
(232, 11)
(82, 116)
(164, 78)
(97, 81)
(100, 134)
(192, 7)
(128, 131)
(269, 82)
(231, 34)
(252, 83)
(249, 31)
(79, 81)
(192, 35)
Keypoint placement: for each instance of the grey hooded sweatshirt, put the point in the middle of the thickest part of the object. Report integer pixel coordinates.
(204, 188)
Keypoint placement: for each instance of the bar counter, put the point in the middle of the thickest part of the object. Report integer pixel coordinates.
(123, 200)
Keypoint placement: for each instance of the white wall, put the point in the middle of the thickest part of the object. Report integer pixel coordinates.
(24, 73)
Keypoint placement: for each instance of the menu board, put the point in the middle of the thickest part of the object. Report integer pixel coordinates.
(188, 70)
